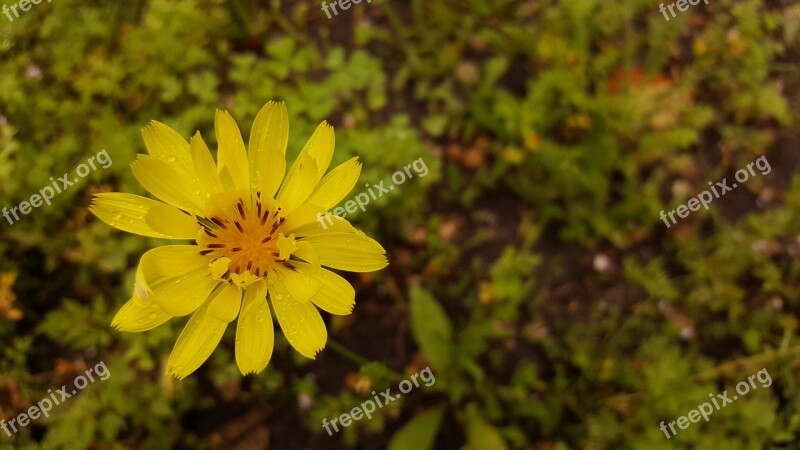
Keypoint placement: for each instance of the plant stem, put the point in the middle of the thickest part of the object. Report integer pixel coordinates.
(350, 355)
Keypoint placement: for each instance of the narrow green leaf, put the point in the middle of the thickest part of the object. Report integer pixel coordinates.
(481, 435)
(431, 329)
(420, 432)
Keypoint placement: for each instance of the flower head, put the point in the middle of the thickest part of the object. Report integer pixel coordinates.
(256, 236)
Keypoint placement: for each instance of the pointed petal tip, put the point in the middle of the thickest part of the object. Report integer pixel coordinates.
(175, 373)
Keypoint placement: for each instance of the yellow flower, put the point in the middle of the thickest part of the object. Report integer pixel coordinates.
(255, 235)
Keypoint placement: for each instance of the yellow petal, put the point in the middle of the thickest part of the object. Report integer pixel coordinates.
(196, 343)
(268, 139)
(204, 165)
(136, 316)
(225, 306)
(172, 221)
(126, 212)
(306, 252)
(176, 278)
(304, 215)
(346, 251)
(320, 147)
(167, 184)
(139, 313)
(227, 179)
(169, 261)
(336, 185)
(301, 322)
(231, 153)
(255, 336)
(167, 145)
(299, 183)
(327, 223)
(300, 286)
(183, 294)
(336, 295)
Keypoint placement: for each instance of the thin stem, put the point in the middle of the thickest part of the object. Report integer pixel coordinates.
(356, 358)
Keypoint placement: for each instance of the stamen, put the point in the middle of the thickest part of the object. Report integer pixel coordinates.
(236, 236)
(219, 222)
(275, 227)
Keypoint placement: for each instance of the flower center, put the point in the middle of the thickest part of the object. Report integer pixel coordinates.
(245, 239)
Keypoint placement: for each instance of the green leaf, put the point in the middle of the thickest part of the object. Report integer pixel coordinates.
(420, 432)
(431, 329)
(435, 124)
(481, 434)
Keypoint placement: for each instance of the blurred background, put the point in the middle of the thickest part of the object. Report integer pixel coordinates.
(529, 269)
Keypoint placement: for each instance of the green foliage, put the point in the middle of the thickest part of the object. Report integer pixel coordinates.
(431, 329)
(557, 311)
(420, 432)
